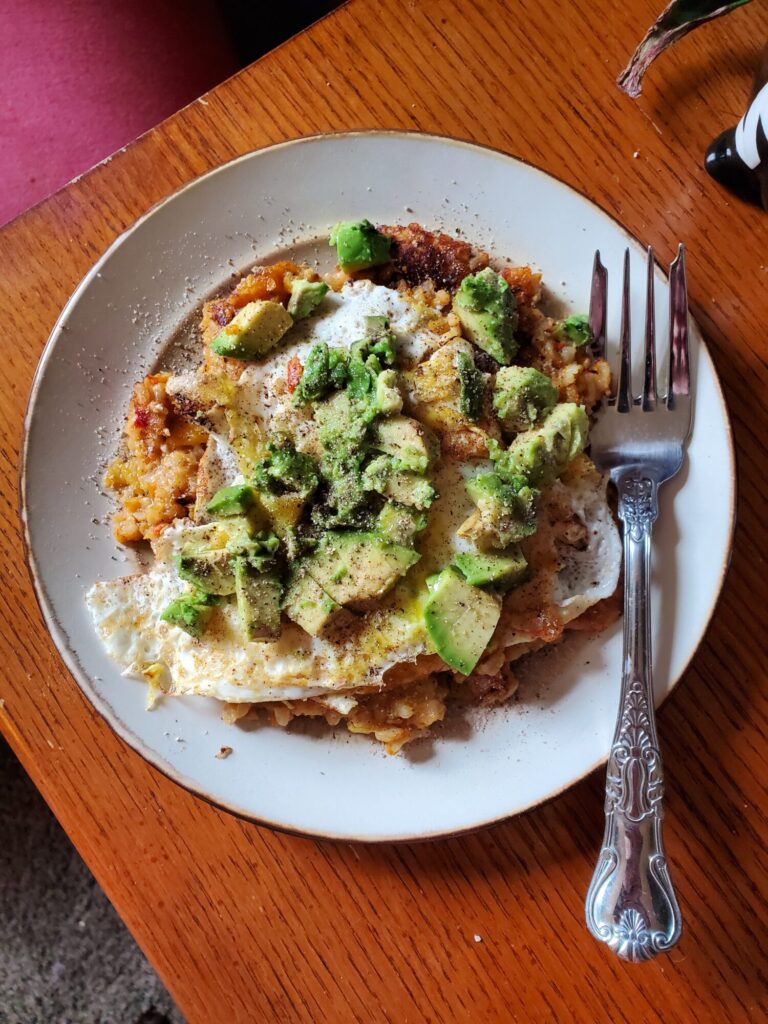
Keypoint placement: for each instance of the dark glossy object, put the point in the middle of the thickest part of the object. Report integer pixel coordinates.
(738, 157)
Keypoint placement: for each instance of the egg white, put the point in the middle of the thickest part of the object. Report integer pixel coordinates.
(126, 612)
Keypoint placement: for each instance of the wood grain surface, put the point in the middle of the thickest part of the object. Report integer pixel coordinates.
(247, 925)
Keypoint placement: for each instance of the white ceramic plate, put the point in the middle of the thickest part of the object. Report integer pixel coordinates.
(476, 770)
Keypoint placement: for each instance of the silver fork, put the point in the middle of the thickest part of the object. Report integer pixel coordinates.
(631, 904)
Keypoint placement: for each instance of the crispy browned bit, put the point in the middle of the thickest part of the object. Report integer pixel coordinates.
(418, 256)
(223, 752)
(156, 478)
(487, 690)
(526, 284)
(293, 372)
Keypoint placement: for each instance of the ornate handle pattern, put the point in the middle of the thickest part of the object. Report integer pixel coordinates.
(631, 904)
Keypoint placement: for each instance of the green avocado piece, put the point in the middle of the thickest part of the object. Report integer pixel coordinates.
(504, 569)
(307, 604)
(190, 612)
(399, 524)
(285, 469)
(409, 489)
(487, 309)
(384, 476)
(406, 440)
(472, 386)
(305, 296)
(204, 558)
(207, 568)
(541, 455)
(507, 508)
(574, 330)
(231, 501)
(522, 396)
(359, 245)
(356, 569)
(258, 601)
(460, 620)
(388, 399)
(256, 329)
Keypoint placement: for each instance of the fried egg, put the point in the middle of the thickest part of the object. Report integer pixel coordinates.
(574, 557)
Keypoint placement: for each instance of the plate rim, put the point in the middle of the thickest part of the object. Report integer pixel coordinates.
(69, 657)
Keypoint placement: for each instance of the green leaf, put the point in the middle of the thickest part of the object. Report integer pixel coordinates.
(675, 21)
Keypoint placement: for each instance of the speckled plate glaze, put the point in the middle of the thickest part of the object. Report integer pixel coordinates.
(477, 769)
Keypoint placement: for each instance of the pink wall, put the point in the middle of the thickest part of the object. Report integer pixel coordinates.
(81, 78)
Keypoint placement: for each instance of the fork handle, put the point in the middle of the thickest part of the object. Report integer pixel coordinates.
(631, 904)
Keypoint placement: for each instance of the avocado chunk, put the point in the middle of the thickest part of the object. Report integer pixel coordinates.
(541, 455)
(384, 476)
(460, 620)
(472, 387)
(356, 569)
(574, 330)
(204, 558)
(190, 612)
(406, 440)
(388, 399)
(305, 296)
(325, 369)
(258, 601)
(399, 524)
(231, 501)
(308, 605)
(255, 330)
(284, 469)
(522, 396)
(504, 569)
(506, 510)
(204, 561)
(487, 309)
(359, 245)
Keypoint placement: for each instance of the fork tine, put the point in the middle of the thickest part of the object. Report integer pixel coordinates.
(624, 395)
(649, 383)
(598, 306)
(679, 366)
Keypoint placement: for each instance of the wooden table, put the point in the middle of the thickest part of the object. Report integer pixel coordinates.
(247, 925)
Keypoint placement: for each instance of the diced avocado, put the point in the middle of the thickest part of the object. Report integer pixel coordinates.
(522, 396)
(507, 509)
(541, 455)
(574, 330)
(190, 612)
(305, 296)
(207, 568)
(231, 501)
(308, 605)
(285, 469)
(255, 330)
(487, 309)
(388, 398)
(324, 370)
(406, 440)
(409, 489)
(376, 326)
(472, 385)
(258, 601)
(481, 567)
(204, 558)
(384, 476)
(460, 620)
(355, 569)
(359, 245)
(399, 524)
